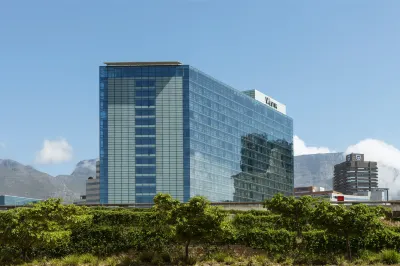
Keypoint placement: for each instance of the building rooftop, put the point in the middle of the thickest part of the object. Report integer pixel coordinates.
(161, 63)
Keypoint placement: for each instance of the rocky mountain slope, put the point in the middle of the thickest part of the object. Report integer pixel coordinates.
(77, 180)
(23, 180)
(316, 169)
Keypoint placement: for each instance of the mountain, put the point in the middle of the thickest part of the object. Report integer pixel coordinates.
(23, 180)
(85, 168)
(77, 180)
(316, 169)
(309, 170)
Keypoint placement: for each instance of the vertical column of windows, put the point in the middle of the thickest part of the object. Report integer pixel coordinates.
(170, 173)
(103, 106)
(145, 140)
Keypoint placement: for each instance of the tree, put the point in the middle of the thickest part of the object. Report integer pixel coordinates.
(161, 230)
(44, 225)
(295, 212)
(349, 222)
(197, 220)
(165, 206)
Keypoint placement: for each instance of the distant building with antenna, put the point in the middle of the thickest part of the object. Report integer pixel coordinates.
(356, 176)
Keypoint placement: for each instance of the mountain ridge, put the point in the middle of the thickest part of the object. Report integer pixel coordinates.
(18, 179)
(309, 170)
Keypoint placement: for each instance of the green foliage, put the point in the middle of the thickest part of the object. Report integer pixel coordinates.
(273, 241)
(369, 257)
(46, 225)
(390, 256)
(76, 260)
(295, 212)
(322, 243)
(197, 220)
(123, 217)
(249, 221)
(293, 231)
(382, 239)
(146, 256)
(349, 222)
(103, 239)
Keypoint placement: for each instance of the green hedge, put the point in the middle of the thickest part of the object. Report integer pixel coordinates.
(319, 242)
(245, 221)
(103, 231)
(273, 241)
(123, 217)
(383, 239)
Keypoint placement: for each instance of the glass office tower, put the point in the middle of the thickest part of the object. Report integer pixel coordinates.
(167, 127)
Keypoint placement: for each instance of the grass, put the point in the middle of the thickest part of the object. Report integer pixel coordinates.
(236, 255)
(390, 257)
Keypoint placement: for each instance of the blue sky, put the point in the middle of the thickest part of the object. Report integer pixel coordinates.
(335, 64)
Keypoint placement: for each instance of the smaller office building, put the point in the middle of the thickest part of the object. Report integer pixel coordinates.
(7, 200)
(92, 191)
(92, 195)
(355, 175)
(93, 187)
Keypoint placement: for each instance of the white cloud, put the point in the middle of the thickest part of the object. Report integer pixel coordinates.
(388, 158)
(377, 150)
(54, 151)
(2, 145)
(300, 148)
(89, 165)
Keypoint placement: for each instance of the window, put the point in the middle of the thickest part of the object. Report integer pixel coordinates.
(140, 112)
(145, 102)
(145, 141)
(145, 170)
(144, 199)
(147, 189)
(145, 93)
(145, 131)
(145, 160)
(145, 150)
(145, 121)
(146, 180)
(145, 83)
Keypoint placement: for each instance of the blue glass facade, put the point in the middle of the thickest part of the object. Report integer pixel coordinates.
(176, 130)
(7, 200)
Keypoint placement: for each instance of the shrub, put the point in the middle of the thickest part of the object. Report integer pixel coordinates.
(366, 256)
(220, 256)
(319, 242)
(229, 260)
(390, 256)
(123, 217)
(146, 256)
(42, 229)
(261, 260)
(101, 240)
(88, 258)
(249, 221)
(166, 257)
(383, 239)
(273, 241)
(71, 260)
